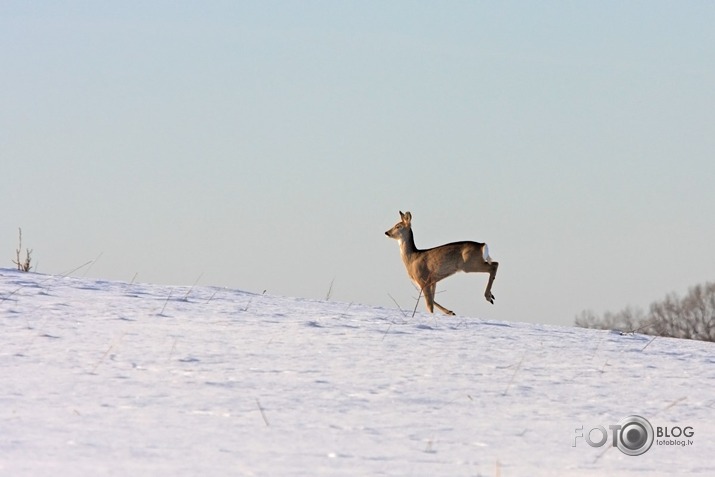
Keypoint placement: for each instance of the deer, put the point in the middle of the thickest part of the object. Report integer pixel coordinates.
(427, 267)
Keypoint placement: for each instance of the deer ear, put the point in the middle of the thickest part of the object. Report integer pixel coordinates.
(406, 217)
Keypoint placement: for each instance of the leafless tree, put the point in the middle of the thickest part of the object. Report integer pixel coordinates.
(689, 317)
(627, 319)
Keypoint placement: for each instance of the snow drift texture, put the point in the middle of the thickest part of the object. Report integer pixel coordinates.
(108, 378)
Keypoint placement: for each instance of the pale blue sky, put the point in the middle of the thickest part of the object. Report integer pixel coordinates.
(269, 145)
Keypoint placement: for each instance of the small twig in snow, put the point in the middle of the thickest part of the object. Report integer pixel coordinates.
(111, 347)
(648, 344)
(212, 296)
(263, 414)
(417, 303)
(398, 305)
(91, 263)
(330, 290)
(173, 347)
(186, 297)
(161, 313)
(513, 376)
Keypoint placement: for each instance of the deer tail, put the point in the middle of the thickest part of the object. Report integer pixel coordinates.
(485, 254)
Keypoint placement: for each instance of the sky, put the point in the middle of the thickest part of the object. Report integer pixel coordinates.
(269, 145)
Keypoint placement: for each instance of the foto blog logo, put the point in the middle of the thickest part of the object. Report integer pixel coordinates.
(633, 435)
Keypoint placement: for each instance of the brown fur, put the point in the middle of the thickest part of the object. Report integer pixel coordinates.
(427, 267)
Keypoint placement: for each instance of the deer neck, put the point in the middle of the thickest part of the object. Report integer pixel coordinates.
(407, 247)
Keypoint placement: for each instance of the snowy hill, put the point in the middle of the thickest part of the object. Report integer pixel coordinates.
(110, 378)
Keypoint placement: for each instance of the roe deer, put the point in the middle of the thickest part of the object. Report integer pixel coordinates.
(427, 267)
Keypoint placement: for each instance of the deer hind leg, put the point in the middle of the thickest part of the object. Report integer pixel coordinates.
(493, 266)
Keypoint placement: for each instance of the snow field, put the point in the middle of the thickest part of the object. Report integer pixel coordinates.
(111, 378)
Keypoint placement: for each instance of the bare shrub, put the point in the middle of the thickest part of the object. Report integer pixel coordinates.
(22, 265)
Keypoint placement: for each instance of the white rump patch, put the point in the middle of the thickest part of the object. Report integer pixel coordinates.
(485, 254)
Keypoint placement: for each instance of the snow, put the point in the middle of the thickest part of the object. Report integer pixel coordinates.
(111, 378)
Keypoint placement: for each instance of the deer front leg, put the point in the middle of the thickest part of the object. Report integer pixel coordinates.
(428, 292)
(444, 310)
(431, 290)
(492, 275)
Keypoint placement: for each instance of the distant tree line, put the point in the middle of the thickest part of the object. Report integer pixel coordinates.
(689, 317)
